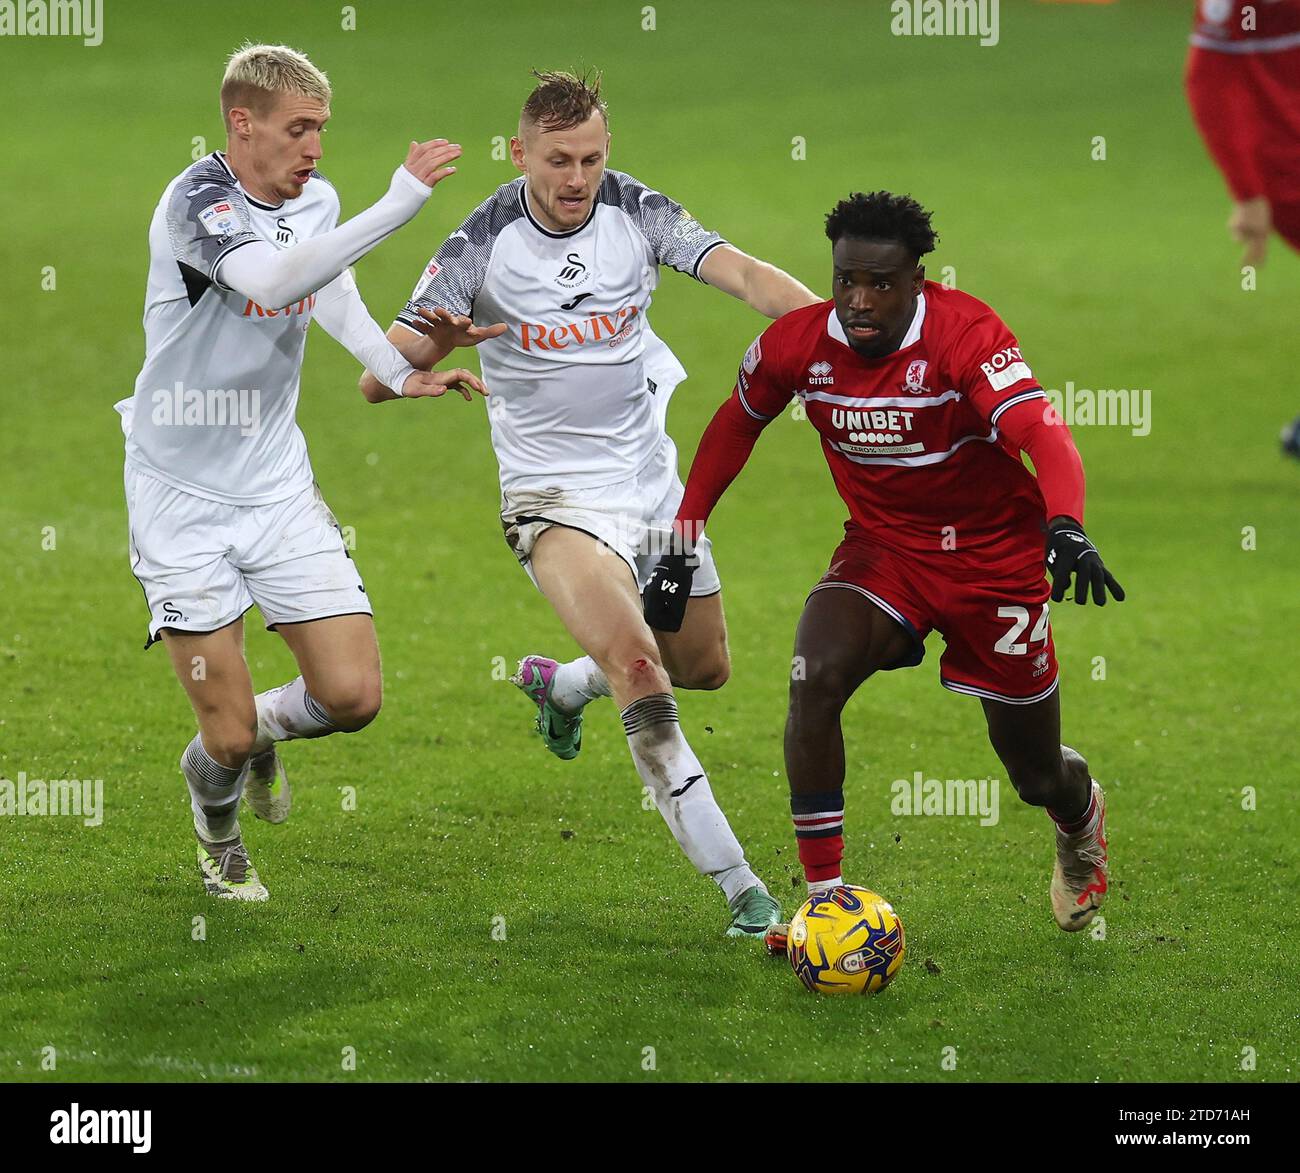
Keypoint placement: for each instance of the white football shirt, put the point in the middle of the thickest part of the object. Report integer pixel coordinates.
(214, 409)
(578, 381)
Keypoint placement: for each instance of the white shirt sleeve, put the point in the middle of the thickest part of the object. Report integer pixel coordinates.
(274, 277)
(344, 317)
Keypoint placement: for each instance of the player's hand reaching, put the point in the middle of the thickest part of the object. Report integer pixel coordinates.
(431, 384)
(1070, 552)
(450, 330)
(1250, 224)
(669, 588)
(428, 161)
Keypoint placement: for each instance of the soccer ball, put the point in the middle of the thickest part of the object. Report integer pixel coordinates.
(846, 940)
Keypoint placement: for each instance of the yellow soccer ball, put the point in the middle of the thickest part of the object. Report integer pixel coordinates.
(846, 940)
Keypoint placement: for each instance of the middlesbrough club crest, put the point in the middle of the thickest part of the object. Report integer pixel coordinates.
(915, 379)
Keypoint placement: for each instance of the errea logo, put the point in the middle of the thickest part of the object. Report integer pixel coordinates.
(819, 374)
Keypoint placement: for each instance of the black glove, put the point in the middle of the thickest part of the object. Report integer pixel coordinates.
(1070, 552)
(668, 591)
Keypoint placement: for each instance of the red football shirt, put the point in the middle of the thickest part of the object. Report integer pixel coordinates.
(1246, 26)
(912, 438)
(1243, 84)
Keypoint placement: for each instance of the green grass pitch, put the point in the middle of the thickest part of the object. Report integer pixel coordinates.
(1114, 273)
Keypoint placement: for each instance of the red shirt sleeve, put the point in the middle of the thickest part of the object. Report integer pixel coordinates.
(989, 368)
(1228, 115)
(760, 396)
(1035, 428)
(991, 371)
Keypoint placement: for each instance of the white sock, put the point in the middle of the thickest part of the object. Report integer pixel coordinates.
(288, 712)
(816, 886)
(576, 683)
(215, 791)
(682, 793)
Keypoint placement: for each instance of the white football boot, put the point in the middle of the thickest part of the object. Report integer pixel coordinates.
(228, 873)
(1082, 873)
(265, 798)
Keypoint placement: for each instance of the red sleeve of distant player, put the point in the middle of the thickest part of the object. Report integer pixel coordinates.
(991, 371)
(760, 395)
(1227, 113)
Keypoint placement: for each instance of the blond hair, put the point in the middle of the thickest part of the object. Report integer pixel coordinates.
(256, 75)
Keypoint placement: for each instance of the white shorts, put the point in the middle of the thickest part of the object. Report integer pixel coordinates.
(632, 518)
(203, 563)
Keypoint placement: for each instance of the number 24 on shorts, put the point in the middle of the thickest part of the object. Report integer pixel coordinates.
(1008, 644)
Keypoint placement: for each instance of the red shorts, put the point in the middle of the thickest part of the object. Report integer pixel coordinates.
(997, 633)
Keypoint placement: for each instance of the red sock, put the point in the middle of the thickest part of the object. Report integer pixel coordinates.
(819, 831)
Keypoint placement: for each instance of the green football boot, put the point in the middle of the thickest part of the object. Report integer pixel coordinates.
(562, 732)
(753, 912)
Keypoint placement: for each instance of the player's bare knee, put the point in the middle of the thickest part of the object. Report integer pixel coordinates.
(820, 684)
(716, 674)
(1075, 763)
(353, 707)
(705, 675)
(230, 743)
(1039, 783)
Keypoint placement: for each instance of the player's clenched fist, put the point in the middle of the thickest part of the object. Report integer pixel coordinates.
(428, 161)
(1070, 552)
(431, 384)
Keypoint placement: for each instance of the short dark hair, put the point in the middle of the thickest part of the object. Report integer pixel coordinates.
(561, 101)
(883, 216)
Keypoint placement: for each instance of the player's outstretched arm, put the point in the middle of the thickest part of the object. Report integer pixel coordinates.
(274, 277)
(724, 448)
(1037, 430)
(762, 287)
(1231, 113)
(343, 315)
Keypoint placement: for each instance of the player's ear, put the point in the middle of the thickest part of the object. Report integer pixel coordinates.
(918, 278)
(517, 152)
(240, 123)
